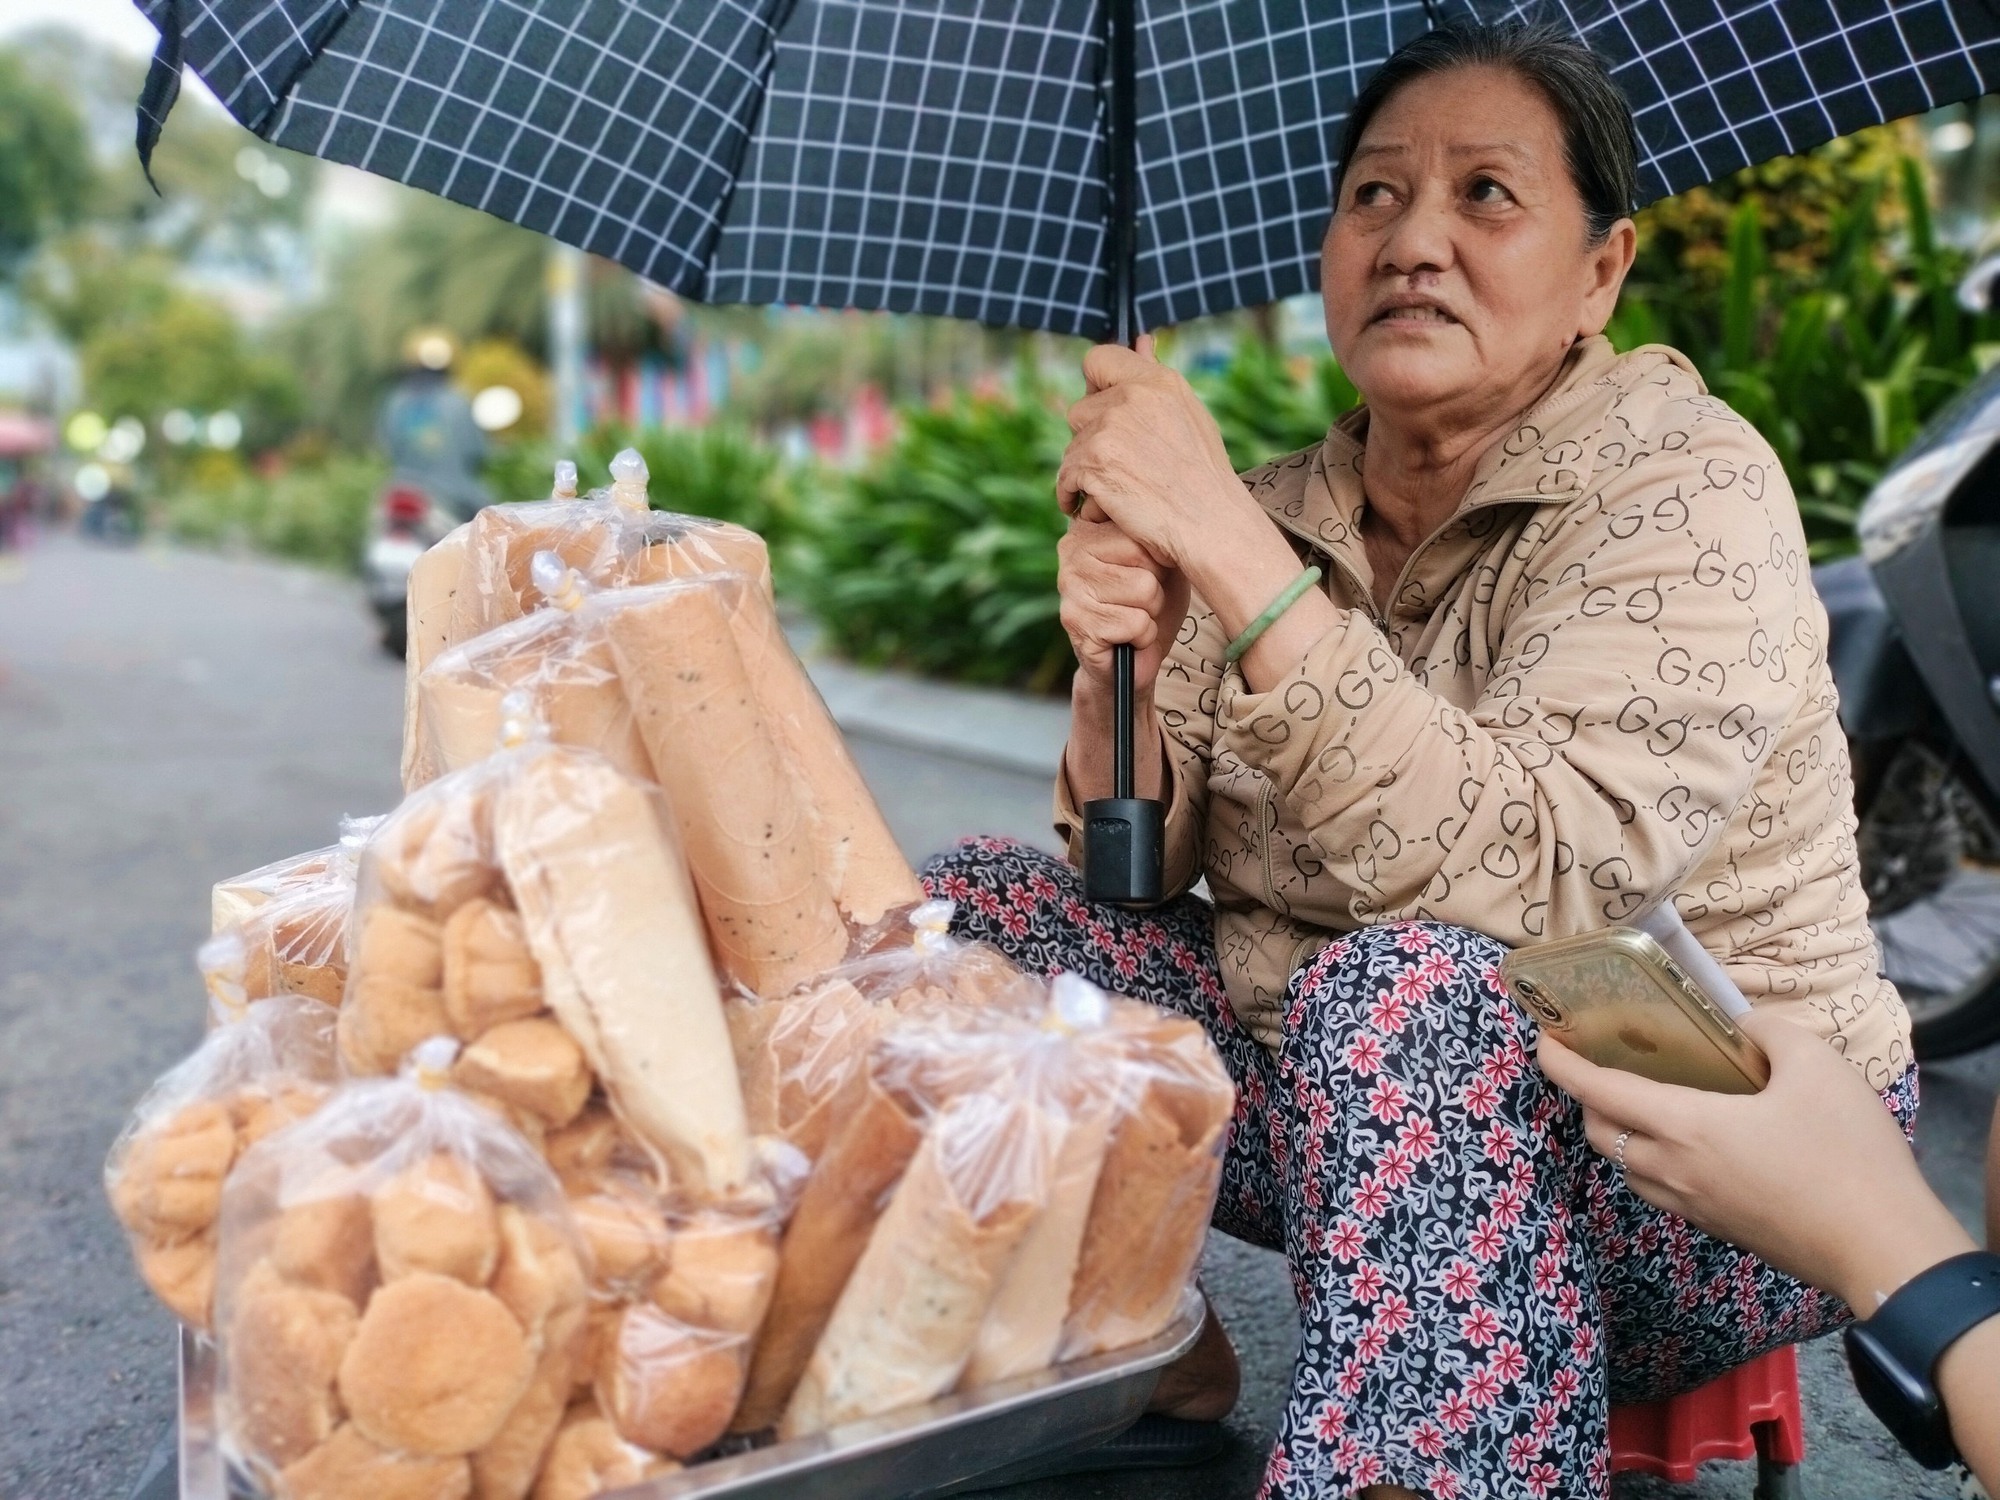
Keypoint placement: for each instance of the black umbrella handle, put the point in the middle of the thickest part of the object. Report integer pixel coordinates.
(1124, 836)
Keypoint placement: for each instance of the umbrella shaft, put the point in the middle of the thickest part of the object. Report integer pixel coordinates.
(1121, 248)
(1121, 722)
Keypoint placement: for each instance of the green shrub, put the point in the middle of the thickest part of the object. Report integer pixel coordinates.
(940, 557)
(316, 515)
(1267, 405)
(1838, 374)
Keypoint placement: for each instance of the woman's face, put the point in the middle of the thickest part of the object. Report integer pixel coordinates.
(1456, 269)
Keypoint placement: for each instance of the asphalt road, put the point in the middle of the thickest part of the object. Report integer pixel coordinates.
(169, 718)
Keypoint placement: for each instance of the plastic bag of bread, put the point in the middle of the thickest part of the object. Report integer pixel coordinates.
(679, 1287)
(481, 575)
(233, 899)
(565, 671)
(796, 1053)
(166, 1170)
(909, 1314)
(1156, 1186)
(288, 933)
(921, 1062)
(400, 1298)
(705, 663)
(535, 906)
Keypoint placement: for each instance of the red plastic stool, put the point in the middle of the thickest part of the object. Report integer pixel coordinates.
(1753, 1411)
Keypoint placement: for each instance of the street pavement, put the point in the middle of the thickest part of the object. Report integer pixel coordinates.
(167, 718)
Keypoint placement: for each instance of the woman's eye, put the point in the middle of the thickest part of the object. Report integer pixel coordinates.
(1486, 190)
(1371, 194)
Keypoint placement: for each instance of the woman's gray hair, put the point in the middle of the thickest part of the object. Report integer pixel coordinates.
(1598, 136)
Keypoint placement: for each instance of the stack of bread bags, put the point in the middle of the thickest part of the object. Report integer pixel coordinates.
(282, 929)
(663, 679)
(535, 906)
(1104, 1107)
(164, 1175)
(401, 1306)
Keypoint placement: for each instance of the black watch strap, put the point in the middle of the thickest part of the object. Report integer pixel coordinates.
(1894, 1354)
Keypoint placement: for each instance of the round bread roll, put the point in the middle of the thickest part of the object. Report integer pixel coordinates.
(505, 1468)
(328, 1243)
(283, 1349)
(384, 1019)
(626, 1233)
(435, 1366)
(182, 1275)
(538, 1277)
(171, 1185)
(533, 1064)
(720, 1273)
(437, 1215)
(490, 975)
(667, 1386)
(588, 1457)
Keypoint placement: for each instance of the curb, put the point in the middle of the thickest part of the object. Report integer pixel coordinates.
(980, 726)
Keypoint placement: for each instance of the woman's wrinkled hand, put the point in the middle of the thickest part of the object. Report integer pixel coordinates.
(1114, 593)
(1812, 1174)
(1148, 455)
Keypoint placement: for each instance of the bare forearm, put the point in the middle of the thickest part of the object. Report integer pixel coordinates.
(1088, 756)
(1969, 1380)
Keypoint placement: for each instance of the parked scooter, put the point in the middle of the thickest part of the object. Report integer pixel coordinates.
(435, 451)
(1915, 649)
(406, 521)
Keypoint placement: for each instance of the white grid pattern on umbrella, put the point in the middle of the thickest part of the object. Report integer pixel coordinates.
(613, 126)
(938, 156)
(946, 156)
(1720, 84)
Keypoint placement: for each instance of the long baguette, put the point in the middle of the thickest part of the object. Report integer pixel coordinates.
(611, 919)
(743, 819)
(866, 867)
(907, 1320)
(862, 1163)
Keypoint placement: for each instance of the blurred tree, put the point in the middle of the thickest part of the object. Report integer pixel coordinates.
(499, 361)
(186, 351)
(1685, 257)
(45, 167)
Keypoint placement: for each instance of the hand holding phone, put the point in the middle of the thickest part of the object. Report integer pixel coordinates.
(1618, 998)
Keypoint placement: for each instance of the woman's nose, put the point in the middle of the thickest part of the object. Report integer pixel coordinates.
(1419, 238)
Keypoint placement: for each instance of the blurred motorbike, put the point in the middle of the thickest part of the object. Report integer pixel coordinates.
(405, 522)
(1915, 649)
(435, 451)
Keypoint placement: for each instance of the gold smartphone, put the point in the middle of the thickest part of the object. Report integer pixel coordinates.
(1615, 997)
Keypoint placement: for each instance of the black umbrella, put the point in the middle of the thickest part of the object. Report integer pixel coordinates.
(1066, 165)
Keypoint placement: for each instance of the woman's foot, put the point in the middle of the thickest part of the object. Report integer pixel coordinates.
(1202, 1385)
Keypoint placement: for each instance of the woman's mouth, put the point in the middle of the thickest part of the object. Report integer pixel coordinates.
(1420, 313)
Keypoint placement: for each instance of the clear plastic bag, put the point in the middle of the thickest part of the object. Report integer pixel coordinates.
(401, 1297)
(908, 1318)
(796, 1053)
(720, 632)
(566, 672)
(482, 575)
(535, 906)
(679, 1289)
(165, 1172)
(1156, 1188)
(286, 933)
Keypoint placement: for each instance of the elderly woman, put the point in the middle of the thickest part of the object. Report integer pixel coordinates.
(1527, 644)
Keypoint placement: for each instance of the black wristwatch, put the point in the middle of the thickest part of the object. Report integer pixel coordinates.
(1894, 1354)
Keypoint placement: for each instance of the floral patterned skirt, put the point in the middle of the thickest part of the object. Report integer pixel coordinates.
(1475, 1285)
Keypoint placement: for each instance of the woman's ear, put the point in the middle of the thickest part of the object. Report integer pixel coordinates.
(1605, 268)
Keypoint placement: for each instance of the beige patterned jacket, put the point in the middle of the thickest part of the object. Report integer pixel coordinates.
(1603, 680)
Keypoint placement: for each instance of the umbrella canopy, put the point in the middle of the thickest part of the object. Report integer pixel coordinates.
(949, 156)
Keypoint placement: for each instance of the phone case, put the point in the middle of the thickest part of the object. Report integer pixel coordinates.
(1617, 998)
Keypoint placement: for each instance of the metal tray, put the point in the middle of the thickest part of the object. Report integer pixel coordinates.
(942, 1445)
